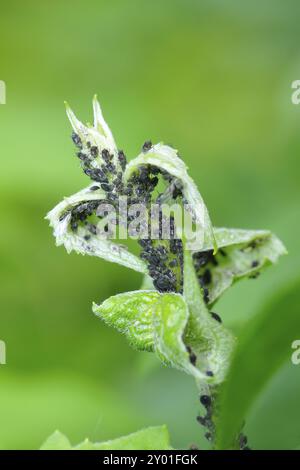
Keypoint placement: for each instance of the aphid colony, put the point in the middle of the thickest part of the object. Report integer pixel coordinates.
(202, 260)
(206, 421)
(205, 261)
(109, 175)
(207, 401)
(164, 257)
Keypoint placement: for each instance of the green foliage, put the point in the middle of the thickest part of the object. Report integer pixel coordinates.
(263, 347)
(152, 438)
(240, 138)
(178, 328)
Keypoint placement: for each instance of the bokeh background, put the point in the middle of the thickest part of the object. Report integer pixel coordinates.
(214, 79)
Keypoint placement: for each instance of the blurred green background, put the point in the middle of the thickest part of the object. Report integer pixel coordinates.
(214, 79)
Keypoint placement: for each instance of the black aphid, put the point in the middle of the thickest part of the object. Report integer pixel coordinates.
(106, 187)
(206, 277)
(202, 420)
(105, 155)
(202, 258)
(147, 146)
(122, 159)
(216, 317)
(206, 295)
(205, 400)
(94, 151)
(82, 156)
(145, 242)
(209, 373)
(254, 264)
(76, 139)
(192, 355)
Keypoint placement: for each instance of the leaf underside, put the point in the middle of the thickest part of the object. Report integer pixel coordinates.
(242, 254)
(60, 220)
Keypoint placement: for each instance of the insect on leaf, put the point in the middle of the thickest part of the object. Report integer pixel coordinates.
(209, 340)
(82, 240)
(242, 254)
(166, 158)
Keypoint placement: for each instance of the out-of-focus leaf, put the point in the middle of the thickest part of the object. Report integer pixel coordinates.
(262, 349)
(242, 254)
(152, 438)
(57, 441)
(209, 340)
(166, 158)
(60, 219)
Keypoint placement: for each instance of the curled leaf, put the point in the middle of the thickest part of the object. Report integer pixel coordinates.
(163, 323)
(166, 158)
(131, 313)
(151, 322)
(98, 136)
(82, 240)
(242, 254)
(209, 340)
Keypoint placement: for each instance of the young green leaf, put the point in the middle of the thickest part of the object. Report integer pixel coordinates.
(151, 322)
(264, 346)
(131, 313)
(242, 254)
(81, 240)
(170, 320)
(163, 323)
(210, 341)
(99, 135)
(166, 158)
(152, 438)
